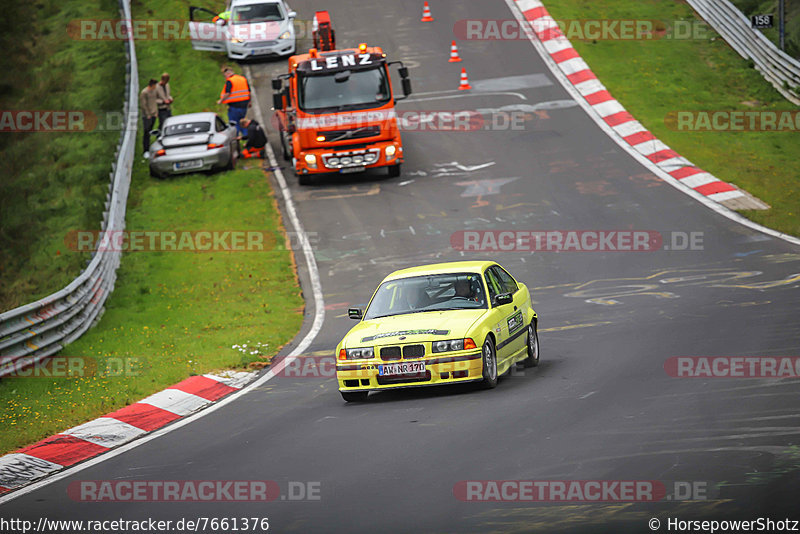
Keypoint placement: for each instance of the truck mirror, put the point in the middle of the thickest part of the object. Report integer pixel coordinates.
(277, 83)
(277, 100)
(342, 77)
(403, 72)
(406, 86)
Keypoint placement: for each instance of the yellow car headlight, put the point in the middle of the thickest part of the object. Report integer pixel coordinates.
(363, 353)
(453, 344)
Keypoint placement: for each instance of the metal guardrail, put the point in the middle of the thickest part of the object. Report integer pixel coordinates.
(779, 69)
(31, 333)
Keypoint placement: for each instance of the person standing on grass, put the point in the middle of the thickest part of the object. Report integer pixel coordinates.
(149, 106)
(164, 100)
(236, 94)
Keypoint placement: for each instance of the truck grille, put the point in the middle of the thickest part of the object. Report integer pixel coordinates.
(342, 135)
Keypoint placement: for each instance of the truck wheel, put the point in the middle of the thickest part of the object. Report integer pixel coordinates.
(394, 171)
(304, 179)
(285, 152)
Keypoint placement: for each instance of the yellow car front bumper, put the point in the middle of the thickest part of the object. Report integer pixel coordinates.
(365, 375)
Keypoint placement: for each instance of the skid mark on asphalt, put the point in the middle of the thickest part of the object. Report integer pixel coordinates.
(331, 193)
(559, 518)
(607, 291)
(599, 188)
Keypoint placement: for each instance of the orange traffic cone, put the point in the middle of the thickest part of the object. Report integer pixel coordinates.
(464, 81)
(454, 53)
(426, 13)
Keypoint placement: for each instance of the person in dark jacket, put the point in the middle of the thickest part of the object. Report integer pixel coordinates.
(256, 139)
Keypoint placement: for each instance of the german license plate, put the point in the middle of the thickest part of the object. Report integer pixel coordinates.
(348, 170)
(191, 164)
(392, 369)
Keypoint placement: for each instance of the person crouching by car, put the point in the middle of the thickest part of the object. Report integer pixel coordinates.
(256, 139)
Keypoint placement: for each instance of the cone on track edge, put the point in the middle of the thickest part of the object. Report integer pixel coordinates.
(454, 57)
(464, 81)
(426, 13)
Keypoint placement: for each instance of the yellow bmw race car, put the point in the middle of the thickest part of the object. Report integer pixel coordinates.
(467, 321)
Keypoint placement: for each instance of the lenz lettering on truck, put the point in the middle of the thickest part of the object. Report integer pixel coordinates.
(335, 112)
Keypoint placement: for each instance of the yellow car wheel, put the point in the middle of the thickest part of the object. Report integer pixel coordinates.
(533, 347)
(489, 359)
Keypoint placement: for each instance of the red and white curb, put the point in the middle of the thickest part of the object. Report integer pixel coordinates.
(629, 129)
(85, 441)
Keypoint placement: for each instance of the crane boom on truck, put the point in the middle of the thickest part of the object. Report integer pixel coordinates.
(335, 110)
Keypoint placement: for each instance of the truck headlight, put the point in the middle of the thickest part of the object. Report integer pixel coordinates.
(311, 161)
(285, 35)
(391, 152)
(363, 353)
(236, 40)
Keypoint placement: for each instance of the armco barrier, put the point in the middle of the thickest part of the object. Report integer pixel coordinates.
(33, 332)
(780, 69)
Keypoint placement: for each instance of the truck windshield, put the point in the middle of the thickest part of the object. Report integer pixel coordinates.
(363, 89)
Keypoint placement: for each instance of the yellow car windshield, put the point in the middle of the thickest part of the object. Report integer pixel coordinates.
(456, 291)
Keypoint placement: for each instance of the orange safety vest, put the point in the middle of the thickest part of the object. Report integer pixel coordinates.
(240, 90)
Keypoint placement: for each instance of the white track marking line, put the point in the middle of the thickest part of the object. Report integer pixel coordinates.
(652, 167)
(319, 318)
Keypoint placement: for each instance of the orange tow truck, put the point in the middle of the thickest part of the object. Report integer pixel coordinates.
(335, 110)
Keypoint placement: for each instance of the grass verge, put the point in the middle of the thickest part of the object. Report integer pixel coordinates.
(52, 180)
(172, 314)
(652, 78)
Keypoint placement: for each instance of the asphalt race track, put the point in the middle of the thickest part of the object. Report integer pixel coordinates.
(599, 407)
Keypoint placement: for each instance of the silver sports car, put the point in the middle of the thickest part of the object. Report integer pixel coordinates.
(193, 142)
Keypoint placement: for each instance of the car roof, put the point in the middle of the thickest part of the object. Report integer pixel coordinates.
(208, 116)
(442, 268)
